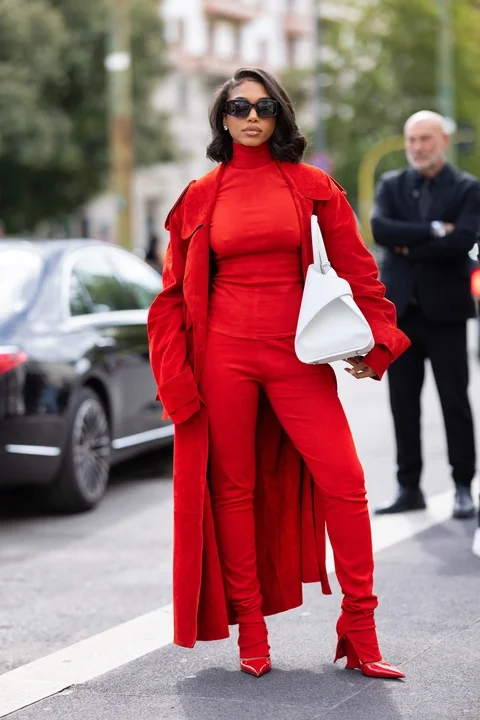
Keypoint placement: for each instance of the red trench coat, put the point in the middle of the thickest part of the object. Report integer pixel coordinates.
(288, 506)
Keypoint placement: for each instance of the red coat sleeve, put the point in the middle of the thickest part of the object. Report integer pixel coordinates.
(353, 262)
(173, 374)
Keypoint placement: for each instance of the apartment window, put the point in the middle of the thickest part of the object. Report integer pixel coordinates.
(225, 40)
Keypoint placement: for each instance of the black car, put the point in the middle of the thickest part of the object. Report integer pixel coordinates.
(76, 389)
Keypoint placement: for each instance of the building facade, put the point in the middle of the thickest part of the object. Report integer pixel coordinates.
(207, 41)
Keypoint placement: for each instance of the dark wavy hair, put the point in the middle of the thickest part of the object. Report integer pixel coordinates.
(286, 143)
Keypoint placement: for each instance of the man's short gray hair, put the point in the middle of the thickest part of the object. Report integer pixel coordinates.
(431, 116)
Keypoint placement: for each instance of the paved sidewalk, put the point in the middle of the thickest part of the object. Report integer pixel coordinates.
(78, 596)
(428, 622)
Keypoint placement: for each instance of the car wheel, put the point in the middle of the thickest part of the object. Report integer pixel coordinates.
(83, 478)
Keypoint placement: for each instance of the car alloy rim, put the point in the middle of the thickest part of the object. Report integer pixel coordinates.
(91, 449)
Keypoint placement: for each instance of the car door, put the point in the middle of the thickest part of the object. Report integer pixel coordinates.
(143, 284)
(103, 310)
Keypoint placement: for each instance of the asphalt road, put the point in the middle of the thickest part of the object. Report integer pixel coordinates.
(65, 579)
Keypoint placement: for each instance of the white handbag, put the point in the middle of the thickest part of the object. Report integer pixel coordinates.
(330, 325)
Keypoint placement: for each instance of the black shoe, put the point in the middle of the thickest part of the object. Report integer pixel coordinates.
(405, 501)
(463, 507)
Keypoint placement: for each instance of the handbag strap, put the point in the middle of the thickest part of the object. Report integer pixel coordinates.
(320, 257)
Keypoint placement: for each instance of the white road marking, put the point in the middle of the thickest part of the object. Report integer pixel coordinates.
(85, 660)
(129, 641)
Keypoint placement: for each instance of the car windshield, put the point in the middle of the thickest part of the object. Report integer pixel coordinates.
(19, 274)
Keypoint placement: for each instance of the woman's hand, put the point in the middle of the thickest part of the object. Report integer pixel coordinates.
(359, 369)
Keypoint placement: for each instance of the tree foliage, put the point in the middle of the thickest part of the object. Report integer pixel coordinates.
(383, 66)
(54, 104)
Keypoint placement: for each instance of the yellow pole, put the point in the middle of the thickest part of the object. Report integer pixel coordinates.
(366, 180)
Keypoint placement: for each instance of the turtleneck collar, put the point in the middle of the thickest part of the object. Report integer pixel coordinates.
(248, 158)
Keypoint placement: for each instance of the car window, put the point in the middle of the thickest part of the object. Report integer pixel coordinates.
(80, 301)
(105, 291)
(141, 281)
(20, 271)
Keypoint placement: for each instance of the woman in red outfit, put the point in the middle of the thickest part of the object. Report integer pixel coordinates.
(264, 458)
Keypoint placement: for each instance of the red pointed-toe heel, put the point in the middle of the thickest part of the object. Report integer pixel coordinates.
(256, 666)
(254, 647)
(379, 668)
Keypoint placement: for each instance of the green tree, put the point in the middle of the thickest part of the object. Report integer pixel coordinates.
(382, 67)
(53, 103)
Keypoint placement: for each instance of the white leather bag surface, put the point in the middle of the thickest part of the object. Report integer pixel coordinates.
(330, 325)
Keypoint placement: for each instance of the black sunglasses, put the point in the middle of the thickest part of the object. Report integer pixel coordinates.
(241, 108)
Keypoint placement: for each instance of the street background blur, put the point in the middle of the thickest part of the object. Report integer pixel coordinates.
(103, 122)
(103, 103)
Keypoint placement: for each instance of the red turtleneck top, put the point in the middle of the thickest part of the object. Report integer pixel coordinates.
(255, 238)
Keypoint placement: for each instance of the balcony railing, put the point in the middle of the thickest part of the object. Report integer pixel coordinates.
(220, 67)
(209, 64)
(236, 10)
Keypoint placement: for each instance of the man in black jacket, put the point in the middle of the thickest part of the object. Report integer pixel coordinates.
(427, 217)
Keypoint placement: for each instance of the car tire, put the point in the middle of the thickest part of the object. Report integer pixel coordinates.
(83, 478)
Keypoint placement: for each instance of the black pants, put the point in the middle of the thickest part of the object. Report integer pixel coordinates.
(445, 345)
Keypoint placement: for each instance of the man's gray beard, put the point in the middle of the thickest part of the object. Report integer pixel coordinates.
(440, 159)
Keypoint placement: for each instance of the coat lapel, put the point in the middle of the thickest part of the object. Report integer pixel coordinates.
(199, 206)
(411, 194)
(307, 189)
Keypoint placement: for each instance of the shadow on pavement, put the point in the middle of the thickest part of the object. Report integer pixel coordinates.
(288, 695)
(449, 543)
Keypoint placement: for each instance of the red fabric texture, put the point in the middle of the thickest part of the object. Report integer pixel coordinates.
(255, 237)
(179, 391)
(290, 524)
(305, 401)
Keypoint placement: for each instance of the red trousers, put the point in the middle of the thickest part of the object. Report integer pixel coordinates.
(305, 400)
